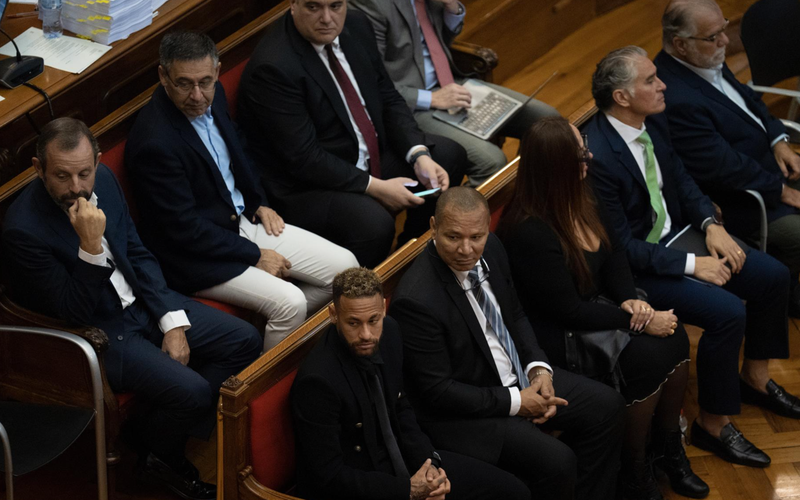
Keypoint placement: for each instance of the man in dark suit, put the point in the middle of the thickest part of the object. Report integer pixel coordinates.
(337, 143)
(203, 211)
(723, 132)
(476, 376)
(355, 438)
(71, 251)
(696, 269)
(413, 37)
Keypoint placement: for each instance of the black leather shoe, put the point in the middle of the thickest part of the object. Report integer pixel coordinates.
(183, 480)
(776, 399)
(731, 446)
(638, 482)
(672, 460)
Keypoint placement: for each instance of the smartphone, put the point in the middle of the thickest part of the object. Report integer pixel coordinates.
(423, 194)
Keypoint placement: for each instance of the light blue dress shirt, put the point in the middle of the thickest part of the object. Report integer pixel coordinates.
(209, 133)
(451, 21)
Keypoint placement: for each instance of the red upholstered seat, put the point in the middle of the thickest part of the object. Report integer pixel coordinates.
(230, 82)
(496, 218)
(114, 159)
(272, 437)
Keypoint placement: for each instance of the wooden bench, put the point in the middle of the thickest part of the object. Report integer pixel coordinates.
(25, 381)
(255, 438)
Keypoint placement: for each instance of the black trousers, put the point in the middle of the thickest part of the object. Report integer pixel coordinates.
(182, 399)
(582, 463)
(356, 221)
(472, 479)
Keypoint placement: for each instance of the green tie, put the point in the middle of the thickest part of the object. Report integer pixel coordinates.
(651, 178)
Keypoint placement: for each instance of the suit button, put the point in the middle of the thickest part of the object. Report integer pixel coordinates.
(569, 334)
(233, 218)
(357, 448)
(359, 425)
(119, 337)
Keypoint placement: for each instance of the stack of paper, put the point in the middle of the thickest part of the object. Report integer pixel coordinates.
(106, 21)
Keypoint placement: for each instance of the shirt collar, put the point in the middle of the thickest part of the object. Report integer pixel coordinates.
(711, 75)
(321, 48)
(205, 117)
(629, 134)
(93, 198)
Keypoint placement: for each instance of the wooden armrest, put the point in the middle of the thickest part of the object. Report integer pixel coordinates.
(14, 314)
(474, 60)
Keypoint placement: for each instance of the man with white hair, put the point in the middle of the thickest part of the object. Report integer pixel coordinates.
(724, 133)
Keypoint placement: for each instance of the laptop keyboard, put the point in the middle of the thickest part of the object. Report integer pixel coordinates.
(485, 115)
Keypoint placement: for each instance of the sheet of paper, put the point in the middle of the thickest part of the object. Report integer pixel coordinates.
(65, 53)
(2, 98)
(26, 2)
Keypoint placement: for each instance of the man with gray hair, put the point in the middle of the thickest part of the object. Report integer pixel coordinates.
(685, 260)
(203, 211)
(725, 135)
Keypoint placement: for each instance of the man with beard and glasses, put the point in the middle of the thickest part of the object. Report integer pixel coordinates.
(71, 251)
(725, 135)
(356, 433)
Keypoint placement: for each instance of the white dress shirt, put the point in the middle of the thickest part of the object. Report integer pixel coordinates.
(630, 135)
(504, 366)
(363, 153)
(170, 320)
(715, 78)
(451, 21)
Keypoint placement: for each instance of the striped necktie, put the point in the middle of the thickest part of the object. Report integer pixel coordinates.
(495, 319)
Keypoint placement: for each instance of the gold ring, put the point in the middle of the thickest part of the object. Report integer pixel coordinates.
(671, 332)
(739, 252)
(674, 325)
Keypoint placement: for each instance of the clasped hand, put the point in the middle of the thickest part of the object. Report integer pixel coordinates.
(539, 402)
(429, 483)
(787, 160)
(723, 250)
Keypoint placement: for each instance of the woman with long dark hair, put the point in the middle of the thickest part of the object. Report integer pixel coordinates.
(563, 256)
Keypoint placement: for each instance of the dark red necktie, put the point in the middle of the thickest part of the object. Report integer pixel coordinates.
(440, 63)
(358, 111)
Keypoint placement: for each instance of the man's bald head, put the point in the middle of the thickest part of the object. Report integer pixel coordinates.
(460, 199)
(679, 19)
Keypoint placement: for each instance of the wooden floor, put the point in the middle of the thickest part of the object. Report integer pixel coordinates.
(70, 477)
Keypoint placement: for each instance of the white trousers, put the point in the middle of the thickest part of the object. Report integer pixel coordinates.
(315, 262)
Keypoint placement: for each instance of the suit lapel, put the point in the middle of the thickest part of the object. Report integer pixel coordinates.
(728, 75)
(319, 73)
(622, 151)
(189, 135)
(459, 297)
(407, 12)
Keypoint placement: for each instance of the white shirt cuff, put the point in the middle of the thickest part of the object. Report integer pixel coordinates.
(689, 269)
(95, 260)
(453, 20)
(536, 364)
(424, 98)
(174, 319)
(516, 401)
(413, 150)
(369, 183)
(778, 139)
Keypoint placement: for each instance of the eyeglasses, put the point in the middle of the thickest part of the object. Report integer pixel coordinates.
(187, 87)
(712, 38)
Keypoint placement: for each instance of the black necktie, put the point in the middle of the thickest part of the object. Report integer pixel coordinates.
(386, 427)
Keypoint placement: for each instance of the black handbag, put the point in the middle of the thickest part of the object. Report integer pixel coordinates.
(595, 354)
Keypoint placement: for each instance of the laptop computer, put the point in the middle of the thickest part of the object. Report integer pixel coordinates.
(489, 111)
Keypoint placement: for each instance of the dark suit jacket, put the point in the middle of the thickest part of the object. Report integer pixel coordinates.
(451, 376)
(399, 41)
(43, 271)
(619, 182)
(338, 436)
(296, 121)
(187, 216)
(721, 146)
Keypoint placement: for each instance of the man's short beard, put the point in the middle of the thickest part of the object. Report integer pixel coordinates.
(64, 201)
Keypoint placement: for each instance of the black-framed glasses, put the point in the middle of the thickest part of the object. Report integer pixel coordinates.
(187, 87)
(712, 38)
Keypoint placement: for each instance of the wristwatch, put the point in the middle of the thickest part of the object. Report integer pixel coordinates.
(436, 460)
(712, 220)
(421, 152)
